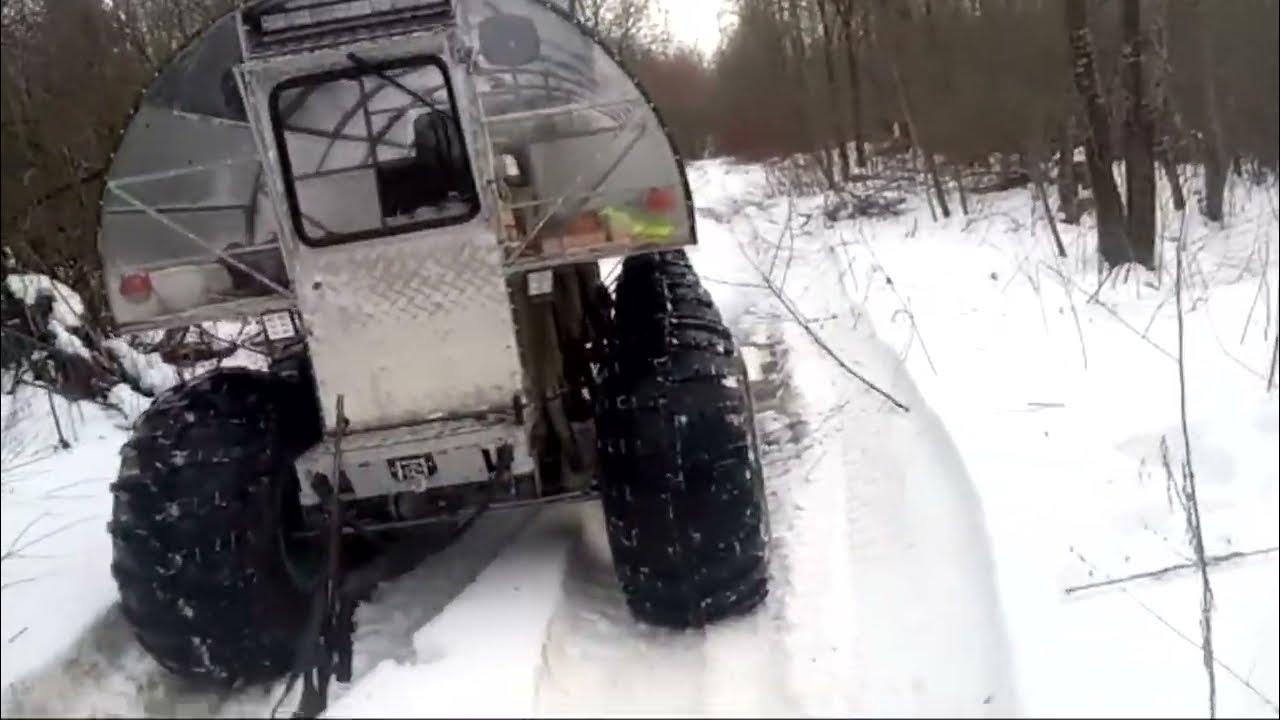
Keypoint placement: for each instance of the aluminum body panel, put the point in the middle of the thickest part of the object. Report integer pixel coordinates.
(456, 449)
(404, 326)
(409, 326)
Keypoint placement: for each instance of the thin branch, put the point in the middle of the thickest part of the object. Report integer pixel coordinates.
(1217, 661)
(1111, 311)
(36, 203)
(1191, 505)
(96, 401)
(786, 223)
(57, 423)
(1275, 363)
(11, 583)
(13, 550)
(1212, 560)
(815, 337)
(893, 287)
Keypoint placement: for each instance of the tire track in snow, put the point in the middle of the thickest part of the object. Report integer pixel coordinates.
(881, 599)
(108, 674)
(598, 659)
(924, 623)
(811, 589)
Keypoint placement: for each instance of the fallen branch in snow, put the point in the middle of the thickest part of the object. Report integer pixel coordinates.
(786, 225)
(10, 467)
(57, 422)
(1275, 363)
(1263, 285)
(14, 551)
(105, 404)
(1188, 498)
(911, 317)
(1212, 560)
(733, 283)
(1111, 311)
(1075, 317)
(1036, 171)
(813, 335)
(1216, 660)
(832, 353)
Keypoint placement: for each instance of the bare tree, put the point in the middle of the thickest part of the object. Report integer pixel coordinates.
(851, 35)
(930, 162)
(836, 128)
(1167, 128)
(1139, 161)
(1068, 184)
(1112, 244)
(1215, 160)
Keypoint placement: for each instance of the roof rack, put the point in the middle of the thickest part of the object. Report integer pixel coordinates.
(274, 27)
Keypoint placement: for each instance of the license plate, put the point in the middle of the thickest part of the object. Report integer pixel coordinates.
(415, 470)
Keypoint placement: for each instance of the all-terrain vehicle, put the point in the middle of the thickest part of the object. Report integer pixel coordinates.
(416, 199)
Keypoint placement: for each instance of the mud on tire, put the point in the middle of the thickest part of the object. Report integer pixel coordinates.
(682, 491)
(205, 489)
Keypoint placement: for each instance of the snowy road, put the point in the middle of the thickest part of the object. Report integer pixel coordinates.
(882, 600)
(883, 596)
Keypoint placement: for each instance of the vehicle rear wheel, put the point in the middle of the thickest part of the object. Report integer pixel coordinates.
(681, 485)
(204, 505)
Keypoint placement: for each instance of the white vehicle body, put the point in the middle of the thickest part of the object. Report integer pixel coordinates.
(292, 193)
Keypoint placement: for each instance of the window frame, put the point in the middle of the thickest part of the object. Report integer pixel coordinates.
(286, 166)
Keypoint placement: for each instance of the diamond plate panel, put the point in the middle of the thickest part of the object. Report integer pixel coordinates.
(410, 327)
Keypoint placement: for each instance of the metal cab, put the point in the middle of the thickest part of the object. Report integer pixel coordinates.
(401, 177)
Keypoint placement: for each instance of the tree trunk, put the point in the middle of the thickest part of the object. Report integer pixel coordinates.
(1139, 161)
(1175, 182)
(930, 164)
(794, 40)
(1068, 199)
(835, 127)
(1215, 181)
(1035, 168)
(1215, 160)
(1167, 126)
(1112, 244)
(855, 83)
(957, 174)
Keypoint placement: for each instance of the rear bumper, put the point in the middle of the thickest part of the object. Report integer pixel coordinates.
(419, 458)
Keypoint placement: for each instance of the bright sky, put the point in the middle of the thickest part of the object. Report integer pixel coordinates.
(696, 22)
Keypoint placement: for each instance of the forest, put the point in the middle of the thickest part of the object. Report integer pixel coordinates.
(1089, 101)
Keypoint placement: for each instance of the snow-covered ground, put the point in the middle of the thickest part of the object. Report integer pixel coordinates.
(921, 556)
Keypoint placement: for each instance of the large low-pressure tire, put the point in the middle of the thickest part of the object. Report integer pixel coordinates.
(204, 499)
(682, 492)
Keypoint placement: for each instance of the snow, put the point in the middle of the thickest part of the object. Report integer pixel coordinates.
(151, 372)
(497, 623)
(67, 342)
(1066, 455)
(920, 559)
(56, 568)
(68, 307)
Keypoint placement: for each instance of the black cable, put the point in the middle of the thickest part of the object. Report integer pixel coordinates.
(315, 636)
